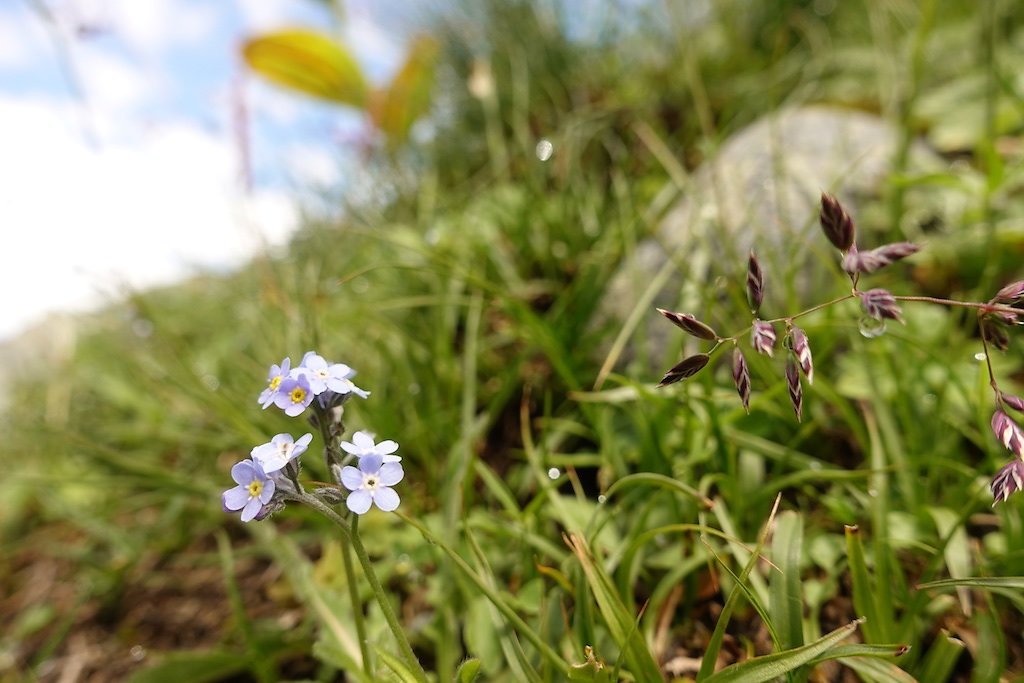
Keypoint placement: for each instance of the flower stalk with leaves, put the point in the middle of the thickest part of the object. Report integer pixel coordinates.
(269, 479)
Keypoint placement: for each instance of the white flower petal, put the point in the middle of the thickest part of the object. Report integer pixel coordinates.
(236, 498)
(251, 509)
(386, 447)
(351, 478)
(359, 502)
(391, 473)
(386, 499)
(363, 439)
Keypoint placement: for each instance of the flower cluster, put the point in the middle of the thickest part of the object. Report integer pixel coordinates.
(995, 318)
(269, 476)
(293, 389)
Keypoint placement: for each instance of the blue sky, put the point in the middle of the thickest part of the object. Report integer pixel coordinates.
(121, 159)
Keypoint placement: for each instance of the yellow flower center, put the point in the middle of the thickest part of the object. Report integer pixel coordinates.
(275, 383)
(255, 488)
(298, 395)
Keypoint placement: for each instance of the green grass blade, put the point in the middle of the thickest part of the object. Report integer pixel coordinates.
(621, 622)
(769, 667)
(863, 586)
(785, 606)
(877, 671)
(942, 656)
(707, 665)
(975, 582)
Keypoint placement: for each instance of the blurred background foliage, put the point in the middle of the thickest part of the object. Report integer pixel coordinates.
(466, 282)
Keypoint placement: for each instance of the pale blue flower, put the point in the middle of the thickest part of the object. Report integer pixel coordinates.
(324, 376)
(282, 449)
(371, 483)
(277, 374)
(254, 490)
(294, 394)
(363, 445)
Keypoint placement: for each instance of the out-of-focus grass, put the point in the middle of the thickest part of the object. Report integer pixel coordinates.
(465, 294)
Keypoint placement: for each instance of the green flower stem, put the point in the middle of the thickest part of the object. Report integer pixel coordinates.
(351, 535)
(385, 605)
(357, 605)
(517, 622)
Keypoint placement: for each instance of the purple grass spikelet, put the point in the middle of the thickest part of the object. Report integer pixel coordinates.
(802, 349)
(796, 394)
(880, 304)
(1008, 481)
(741, 377)
(1011, 293)
(763, 337)
(688, 367)
(690, 325)
(1008, 432)
(836, 223)
(755, 283)
(857, 261)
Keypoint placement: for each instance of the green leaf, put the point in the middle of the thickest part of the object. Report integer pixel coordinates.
(771, 666)
(395, 108)
(309, 62)
(785, 605)
(467, 671)
(198, 666)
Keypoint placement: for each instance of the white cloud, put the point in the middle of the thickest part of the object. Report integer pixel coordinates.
(147, 27)
(82, 220)
(19, 40)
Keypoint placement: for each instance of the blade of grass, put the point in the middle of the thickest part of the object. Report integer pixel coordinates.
(940, 659)
(621, 622)
(785, 605)
(707, 665)
(864, 595)
(514, 619)
(769, 667)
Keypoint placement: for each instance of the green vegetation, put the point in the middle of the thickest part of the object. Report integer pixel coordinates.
(467, 292)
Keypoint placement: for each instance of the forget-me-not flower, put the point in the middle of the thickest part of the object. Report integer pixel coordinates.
(294, 394)
(324, 376)
(277, 374)
(371, 483)
(254, 490)
(280, 451)
(362, 445)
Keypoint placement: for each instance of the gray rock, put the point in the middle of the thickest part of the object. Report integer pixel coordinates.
(761, 190)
